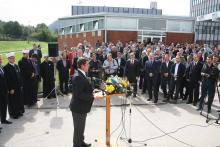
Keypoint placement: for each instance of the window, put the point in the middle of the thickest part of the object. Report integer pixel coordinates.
(121, 23)
(95, 25)
(71, 29)
(90, 25)
(82, 28)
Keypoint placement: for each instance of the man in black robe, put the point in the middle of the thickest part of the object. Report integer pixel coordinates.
(28, 78)
(47, 73)
(13, 78)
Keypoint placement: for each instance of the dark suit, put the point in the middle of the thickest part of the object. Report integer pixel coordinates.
(154, 81)
(208, 85)
(38, 52)
(131, 72)
(3, 95)
(47, 73)
(80, 105)
(194, 78)
(143, 80)
(176, 81)
(165, 80)
(15, 101)
(121, 67)
(29, 82)
(63, 75)
(75, 63)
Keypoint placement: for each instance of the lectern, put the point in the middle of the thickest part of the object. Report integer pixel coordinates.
(108, 119)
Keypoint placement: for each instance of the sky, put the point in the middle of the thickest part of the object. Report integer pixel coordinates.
(33, 12)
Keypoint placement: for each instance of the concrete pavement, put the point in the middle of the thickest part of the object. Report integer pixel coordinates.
(45, 125)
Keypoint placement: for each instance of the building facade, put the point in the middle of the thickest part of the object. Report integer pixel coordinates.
(110, 24)
(207, 25)
(79, 10)
(110, 27)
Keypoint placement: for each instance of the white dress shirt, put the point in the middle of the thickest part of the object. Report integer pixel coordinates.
(176, 69)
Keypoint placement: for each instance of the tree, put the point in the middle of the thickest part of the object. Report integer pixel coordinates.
(12, 28)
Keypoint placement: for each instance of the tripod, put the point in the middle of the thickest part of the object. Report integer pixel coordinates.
(55, 89)
(129, 139)
(207, 116)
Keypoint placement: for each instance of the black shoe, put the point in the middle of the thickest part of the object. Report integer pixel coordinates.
(20, 115)
(155, 101)
(134, 95)
(149, 99)
(188, 102)
(198, 109)
(194, 104)
(166, 100)
(143, 92)
(86, 144)
(209, 111)
(174, 101)
(14, 116)
(6, 122)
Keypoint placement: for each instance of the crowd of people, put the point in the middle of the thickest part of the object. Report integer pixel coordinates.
(179, 70)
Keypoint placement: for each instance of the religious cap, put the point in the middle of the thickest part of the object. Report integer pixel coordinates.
(11, 54)
(25, 51)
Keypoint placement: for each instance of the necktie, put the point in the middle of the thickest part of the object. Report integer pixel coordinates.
(1, 71)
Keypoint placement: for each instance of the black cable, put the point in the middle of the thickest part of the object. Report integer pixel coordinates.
(120, 121)
(123, 120)
(168, 134)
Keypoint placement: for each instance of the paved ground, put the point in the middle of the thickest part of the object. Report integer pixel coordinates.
(48, 126)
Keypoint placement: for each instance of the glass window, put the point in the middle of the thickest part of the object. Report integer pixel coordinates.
(121, 23)
(110, 9)
(71, 29)
(91, 10)
(96, 9)
(82, 28)
(86, 26)
(77, 28)
(116, 9)
(95, 25)
(90, 26)
(74, 29)
(180, 26)
(101, 24)
(152, 24)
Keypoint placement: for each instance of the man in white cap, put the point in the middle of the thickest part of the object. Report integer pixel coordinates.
(13, 78)
(47, 73)
(28, 77)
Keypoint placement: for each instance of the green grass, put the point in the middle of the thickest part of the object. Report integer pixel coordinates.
(17, 47)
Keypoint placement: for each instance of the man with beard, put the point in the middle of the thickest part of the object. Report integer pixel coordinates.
(13, 77)
(27, 74)
(47, 73)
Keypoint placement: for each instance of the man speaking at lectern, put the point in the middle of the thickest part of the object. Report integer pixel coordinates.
(81, 102)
